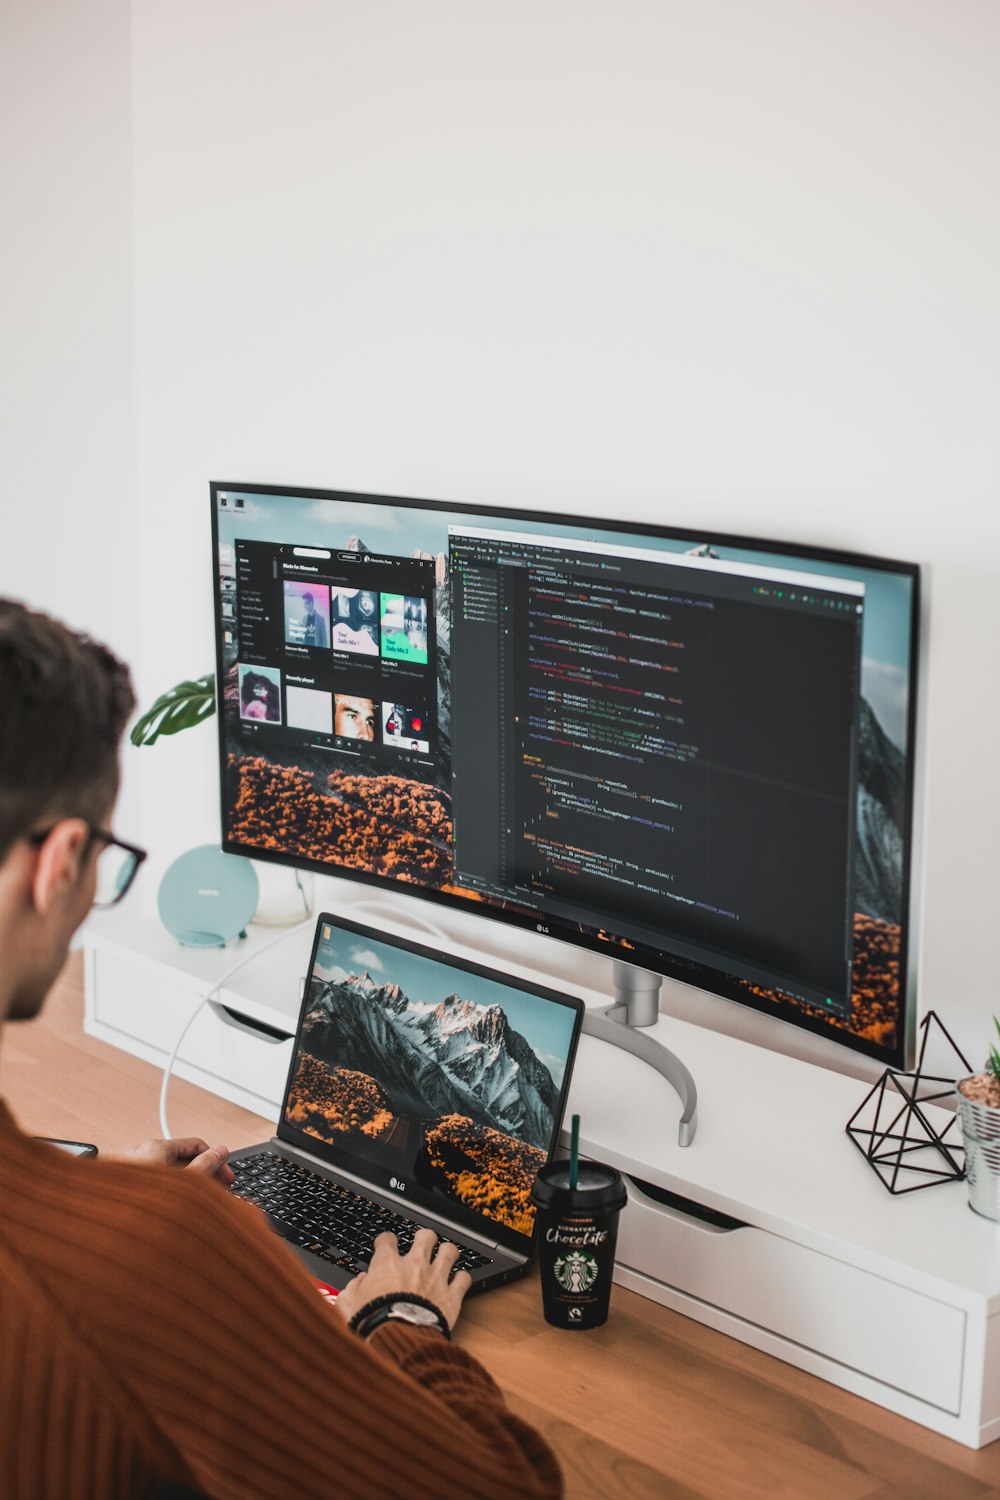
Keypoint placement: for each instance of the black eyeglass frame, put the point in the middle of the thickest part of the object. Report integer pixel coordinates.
(96, 834)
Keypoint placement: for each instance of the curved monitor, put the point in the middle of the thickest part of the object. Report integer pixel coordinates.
(691, 751)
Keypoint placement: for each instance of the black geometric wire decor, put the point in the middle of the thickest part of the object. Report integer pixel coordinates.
(898, 1129)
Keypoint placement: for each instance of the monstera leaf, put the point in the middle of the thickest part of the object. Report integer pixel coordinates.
(182, 707)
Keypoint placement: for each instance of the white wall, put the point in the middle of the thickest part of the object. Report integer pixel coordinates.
(692, 261)
(67, 422)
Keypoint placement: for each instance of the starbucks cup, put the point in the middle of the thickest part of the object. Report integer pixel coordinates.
(577, 1231)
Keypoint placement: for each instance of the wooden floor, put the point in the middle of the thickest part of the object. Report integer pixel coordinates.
(652, 1405)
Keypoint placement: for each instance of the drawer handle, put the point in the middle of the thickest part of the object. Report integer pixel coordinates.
(240, 1022)
(677, 1206)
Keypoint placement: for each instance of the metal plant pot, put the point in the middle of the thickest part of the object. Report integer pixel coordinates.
(981, 1134)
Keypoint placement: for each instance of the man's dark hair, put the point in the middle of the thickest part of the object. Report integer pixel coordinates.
(64, 701)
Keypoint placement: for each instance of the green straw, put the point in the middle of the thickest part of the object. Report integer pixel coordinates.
(574, 1151)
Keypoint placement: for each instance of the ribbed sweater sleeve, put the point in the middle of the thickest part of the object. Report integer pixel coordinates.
(207, 1355)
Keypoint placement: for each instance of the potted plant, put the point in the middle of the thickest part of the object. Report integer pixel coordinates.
(181, 707)
(979, 1113)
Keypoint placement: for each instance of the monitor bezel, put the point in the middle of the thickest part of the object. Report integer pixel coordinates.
(670, 966)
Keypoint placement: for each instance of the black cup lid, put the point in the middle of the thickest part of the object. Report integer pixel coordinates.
(598, 1188)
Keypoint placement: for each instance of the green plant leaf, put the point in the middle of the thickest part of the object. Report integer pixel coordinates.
(993, 1061)
(182, 707)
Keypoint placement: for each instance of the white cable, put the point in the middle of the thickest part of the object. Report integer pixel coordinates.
(302, 892)
(206, 1000)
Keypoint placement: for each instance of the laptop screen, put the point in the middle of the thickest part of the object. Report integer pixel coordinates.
(436, 1078)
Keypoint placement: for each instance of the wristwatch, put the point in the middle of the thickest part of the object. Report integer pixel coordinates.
(405, 1308)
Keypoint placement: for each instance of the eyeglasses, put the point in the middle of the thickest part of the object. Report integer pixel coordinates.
(117, 864)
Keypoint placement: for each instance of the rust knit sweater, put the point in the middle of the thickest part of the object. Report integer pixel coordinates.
(136, 1359)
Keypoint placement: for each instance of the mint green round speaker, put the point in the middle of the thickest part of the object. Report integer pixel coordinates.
(207, 897)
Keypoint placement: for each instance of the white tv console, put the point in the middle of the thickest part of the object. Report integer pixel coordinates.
(894, 1298)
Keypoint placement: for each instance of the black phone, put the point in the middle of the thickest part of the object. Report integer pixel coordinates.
(75, 1148)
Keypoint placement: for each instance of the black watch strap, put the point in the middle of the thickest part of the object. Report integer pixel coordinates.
(402, 1307)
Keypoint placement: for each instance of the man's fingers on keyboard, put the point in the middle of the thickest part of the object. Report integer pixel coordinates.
(385, 1241)
(423, 1243)
(444, 1263)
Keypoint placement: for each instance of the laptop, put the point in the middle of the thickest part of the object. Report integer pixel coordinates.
(423, 1090)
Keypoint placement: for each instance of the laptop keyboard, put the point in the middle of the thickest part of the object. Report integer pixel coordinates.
(327, 1219)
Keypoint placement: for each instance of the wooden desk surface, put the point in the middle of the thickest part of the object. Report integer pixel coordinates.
(651, 1405)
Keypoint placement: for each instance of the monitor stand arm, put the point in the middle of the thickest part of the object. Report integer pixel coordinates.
(636, 1004)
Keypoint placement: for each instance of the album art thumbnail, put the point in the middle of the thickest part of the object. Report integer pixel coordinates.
(307, 614)
(260, 693)
(353, 718)
(405, 728)
(307, 708)
(355, 614)
(404, 627)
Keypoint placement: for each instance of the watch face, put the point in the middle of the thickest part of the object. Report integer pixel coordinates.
(409, 1312)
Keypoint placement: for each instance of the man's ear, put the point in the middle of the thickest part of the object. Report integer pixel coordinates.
(59, 862)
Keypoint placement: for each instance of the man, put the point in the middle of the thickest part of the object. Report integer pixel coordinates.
(353, 718)
(313, 624)
(156, 1338)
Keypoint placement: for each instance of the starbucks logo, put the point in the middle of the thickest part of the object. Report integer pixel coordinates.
(576, 1272)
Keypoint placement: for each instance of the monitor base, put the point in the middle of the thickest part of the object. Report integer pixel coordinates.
(636, 1004)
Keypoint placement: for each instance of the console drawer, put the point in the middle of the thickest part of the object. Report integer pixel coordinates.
(860, 1320)
(147, 1013)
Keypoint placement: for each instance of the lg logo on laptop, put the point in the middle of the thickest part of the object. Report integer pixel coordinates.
(398, 1184)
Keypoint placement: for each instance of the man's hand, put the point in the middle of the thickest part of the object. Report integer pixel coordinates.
(419, 1271)
(188, 1151)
